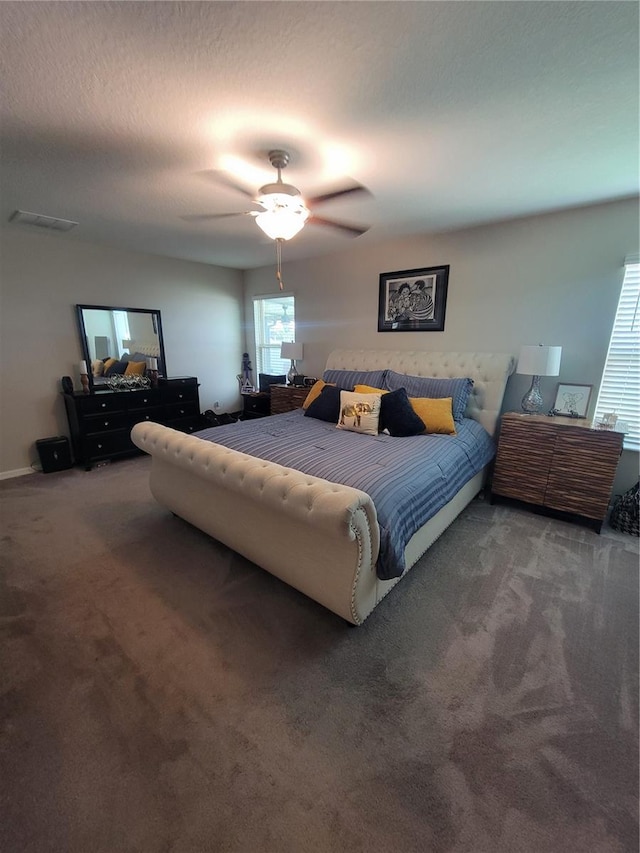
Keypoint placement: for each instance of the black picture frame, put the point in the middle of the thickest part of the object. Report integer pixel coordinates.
(413, 300)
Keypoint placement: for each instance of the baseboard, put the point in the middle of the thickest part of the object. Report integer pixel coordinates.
(19, 472)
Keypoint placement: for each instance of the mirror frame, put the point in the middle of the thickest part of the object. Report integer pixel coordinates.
(84, 342)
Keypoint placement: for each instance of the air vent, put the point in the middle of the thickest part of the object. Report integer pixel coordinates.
(54, 223)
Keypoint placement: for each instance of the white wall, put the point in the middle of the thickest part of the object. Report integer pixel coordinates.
(552, 279)
(43, 276)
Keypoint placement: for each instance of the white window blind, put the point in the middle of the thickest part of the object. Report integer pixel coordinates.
(620, 387)
(274, 322)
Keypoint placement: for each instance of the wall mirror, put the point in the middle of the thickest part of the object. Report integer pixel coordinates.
(126, 334)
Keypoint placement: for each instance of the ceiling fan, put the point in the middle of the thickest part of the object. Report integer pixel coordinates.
(283, 211)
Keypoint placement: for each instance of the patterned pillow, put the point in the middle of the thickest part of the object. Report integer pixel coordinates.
(433, 387)
(348, 379)
(359, 412)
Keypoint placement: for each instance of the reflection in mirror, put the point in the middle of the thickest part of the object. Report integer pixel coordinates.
(124, 335)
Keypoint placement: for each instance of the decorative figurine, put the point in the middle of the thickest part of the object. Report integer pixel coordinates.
(247, 378)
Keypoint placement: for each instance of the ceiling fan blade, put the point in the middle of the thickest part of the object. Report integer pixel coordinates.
(320, 199)
(201, 217)
(224, 180)
(352, 230)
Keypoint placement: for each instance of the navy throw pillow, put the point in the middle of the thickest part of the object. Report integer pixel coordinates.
(118, 367)
(326, 406)
(397, 415)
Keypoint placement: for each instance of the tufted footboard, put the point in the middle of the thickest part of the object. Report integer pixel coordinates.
(321, 538)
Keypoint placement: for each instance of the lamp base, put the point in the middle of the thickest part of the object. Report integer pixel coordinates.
(532, 400)
(292, 372)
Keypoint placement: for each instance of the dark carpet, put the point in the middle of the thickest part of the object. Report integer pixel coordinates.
(160, 693)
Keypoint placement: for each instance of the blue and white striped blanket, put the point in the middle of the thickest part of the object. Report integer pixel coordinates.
(408, 479)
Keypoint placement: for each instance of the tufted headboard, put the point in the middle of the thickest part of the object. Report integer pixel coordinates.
(489, 372)
(151, 348)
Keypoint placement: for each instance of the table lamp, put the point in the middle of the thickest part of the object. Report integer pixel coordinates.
(537, 361)
(292, 351)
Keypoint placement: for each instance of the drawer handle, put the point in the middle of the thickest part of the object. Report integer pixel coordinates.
(147, 417)
(99, 447)
(106, 423)
(179, 396)
(103, 405)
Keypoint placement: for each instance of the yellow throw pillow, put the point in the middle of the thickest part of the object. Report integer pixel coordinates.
(135, 368)
(436, 414)
(107, 365)
(369, 389)
(316, 388)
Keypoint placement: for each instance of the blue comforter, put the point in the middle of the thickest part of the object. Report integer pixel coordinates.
(408, 479)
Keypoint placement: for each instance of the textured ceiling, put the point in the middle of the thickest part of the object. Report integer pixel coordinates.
(451, 113)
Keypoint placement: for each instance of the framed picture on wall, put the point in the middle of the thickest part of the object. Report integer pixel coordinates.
(572, 400)
(413, 300)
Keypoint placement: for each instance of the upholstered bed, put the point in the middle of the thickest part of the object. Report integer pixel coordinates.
(323, 536)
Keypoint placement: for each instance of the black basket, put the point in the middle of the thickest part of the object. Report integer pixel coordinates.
(625, 515)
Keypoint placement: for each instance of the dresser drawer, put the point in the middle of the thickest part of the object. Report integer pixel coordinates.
(192, 424)
(143, 399)
(106, 422)
(178, 393)
(181, 410)
(153, 413)
(93, 404)
(107, 444)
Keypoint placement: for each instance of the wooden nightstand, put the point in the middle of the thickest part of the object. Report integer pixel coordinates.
(564, 464)
(286, 398)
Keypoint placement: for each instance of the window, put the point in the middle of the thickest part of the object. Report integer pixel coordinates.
(620, 387)
(274, 322)
(122, 333)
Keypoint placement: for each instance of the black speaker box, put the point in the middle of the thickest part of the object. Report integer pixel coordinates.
(54, 453)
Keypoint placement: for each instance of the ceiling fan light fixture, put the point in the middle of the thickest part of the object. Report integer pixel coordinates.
(283, 216)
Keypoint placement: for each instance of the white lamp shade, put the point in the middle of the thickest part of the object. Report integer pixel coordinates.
(539, 360)
(291, 350)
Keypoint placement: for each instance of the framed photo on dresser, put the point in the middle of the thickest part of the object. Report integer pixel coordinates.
(572, 400)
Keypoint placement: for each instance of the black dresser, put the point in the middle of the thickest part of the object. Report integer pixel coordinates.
(100, 423)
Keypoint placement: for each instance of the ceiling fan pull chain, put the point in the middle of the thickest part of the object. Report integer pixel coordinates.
(279, 261)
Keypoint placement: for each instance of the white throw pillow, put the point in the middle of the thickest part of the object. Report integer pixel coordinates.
(359, 412)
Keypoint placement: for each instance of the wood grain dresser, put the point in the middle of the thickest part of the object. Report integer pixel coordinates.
(563, 464)
(286, 398)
